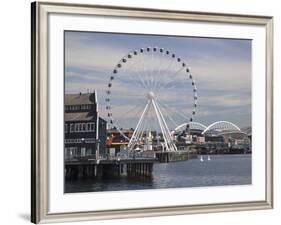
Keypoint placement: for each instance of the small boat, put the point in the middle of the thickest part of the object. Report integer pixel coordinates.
(137, 149)
(201, 158)
(209, 158)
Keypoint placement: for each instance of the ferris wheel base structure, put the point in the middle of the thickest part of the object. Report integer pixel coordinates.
(168, 145)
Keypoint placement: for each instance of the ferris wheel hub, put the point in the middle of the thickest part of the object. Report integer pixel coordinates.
(150, 95)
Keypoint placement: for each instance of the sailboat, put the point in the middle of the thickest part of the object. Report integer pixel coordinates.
(201, 158)
(209, 157)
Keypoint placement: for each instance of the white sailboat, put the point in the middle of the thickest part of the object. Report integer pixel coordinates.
(201, 158)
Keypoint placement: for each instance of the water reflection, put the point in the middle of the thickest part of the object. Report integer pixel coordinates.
(220, 170)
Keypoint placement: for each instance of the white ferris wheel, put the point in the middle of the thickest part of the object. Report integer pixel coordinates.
(150, 90)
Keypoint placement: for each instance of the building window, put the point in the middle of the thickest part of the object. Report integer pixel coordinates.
(90, 126)
(71, 128)
(79, 140)
(89, 151)
(79, 127)
(71, 152)
(78, 152)
(83, 151)
(76, 127)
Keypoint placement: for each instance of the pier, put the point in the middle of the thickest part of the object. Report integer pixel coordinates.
(137, 164)
(92, 168)
(166, 157)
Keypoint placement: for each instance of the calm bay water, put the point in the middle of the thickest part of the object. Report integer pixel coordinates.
(220, 170)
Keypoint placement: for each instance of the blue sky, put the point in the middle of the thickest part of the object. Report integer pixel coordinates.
(220, 67)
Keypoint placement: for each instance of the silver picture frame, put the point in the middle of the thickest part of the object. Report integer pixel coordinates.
(40, 104)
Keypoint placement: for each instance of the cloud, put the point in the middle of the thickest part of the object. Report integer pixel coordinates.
(220, 67)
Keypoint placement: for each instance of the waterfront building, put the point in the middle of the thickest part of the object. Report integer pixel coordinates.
(84, 130)
(115, 141)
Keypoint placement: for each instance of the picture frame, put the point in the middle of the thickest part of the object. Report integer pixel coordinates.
(42, 103)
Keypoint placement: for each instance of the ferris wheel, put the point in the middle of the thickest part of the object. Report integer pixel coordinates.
(150, 90)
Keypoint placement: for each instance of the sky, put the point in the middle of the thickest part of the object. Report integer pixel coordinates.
(221, 69)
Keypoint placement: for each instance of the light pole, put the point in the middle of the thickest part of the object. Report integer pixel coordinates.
(82, 147)
(97, 149)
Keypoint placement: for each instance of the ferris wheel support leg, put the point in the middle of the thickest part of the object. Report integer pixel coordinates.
(161, 124)
(133, 139)
(171, 145)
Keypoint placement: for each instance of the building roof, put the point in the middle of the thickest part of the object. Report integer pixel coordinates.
(80, 99)
(112, 131)
(79, 116)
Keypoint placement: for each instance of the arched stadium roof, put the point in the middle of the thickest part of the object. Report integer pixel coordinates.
(192, 125)
(221, 126)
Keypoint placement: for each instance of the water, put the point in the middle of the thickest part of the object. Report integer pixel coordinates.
(220, 170)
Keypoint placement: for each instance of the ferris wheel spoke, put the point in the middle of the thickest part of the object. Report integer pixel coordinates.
(135, 71)
(161, 51)
(150, 69)
(143, 76)
(168, 115)
(143, 68)
(165, 72)
(154, 67)
(158, 69)
(127, 95)
(176, 111)
(132, 109)
(170, 112)
(153, 64)
(133, 113)
(170, 85)
(129, 110)
(174, 76)
(132, 69)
